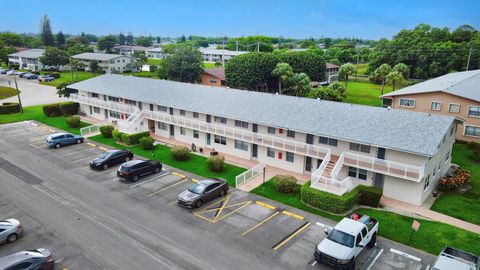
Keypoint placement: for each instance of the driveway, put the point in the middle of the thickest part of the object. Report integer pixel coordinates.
(31, 92)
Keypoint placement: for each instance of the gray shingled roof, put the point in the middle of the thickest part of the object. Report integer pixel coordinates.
(32, 53)
(218, 51)
(406, 131)
(97, 56)
(464, 84)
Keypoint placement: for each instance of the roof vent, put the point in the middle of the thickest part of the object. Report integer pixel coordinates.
(388, 108)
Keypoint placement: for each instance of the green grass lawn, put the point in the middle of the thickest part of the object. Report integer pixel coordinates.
(362, 68)
(431, 237)
(66, 77)
(6, 92)
(365, 93)
(209, 65)
(196, 164)
(462, 206)
(154, 62)
(36, 113)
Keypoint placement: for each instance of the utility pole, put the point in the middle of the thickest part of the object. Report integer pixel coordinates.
(237, 45)
(356, 69)
(18, 93)
(468, 61)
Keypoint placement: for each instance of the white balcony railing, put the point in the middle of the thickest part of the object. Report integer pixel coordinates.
(334, 186)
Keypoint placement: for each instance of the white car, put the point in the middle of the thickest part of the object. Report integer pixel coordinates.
(10, 230)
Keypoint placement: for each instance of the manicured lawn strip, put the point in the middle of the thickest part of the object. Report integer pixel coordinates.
(36, 113)
(209, 65)
(293, 199)
(6, 92)
(431, 237)
(462, 206)
(196, 164)
(154, 62)
(362, 68)
(365, 93)
(144, 74)
(66, 77)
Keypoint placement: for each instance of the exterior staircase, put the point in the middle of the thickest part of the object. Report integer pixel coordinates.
(327, 172)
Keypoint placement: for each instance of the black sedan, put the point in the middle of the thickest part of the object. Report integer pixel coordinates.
(111, 158)
(133, 170)
(202, 192)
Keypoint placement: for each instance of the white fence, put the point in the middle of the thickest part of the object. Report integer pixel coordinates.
(93, 129)
(249, 175)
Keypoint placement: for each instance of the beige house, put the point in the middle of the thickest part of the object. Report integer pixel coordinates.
(455, 94)
(338, 145)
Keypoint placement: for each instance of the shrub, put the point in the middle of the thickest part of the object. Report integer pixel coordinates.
(73, 121)
(9, 107)
(180, 153)
(475, 150)
(285, 183)
(153, 68)
(69, 108)
(117, 135)
(369, 195)
(147, 143)
(52, 110)
(106, 131)
(133, 138)
(55, 75)
(458, 179)
(328, 201)
(216, 163)
(14, 66)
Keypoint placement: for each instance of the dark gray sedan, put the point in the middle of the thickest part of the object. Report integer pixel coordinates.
(38, 259)
(202, 192)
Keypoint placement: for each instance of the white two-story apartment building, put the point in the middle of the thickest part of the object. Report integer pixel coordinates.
(110, 63)
(340, 145)
(27, 59)
(217, 55)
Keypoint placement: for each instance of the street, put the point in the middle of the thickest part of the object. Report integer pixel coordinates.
(31, 91)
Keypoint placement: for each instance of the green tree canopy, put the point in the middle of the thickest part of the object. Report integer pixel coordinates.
(143, 41)
(94, 67)
(300, 84)
(251, 44)
(54, 57)
(78, 49)
(251, 71)
(345, 72)
(46, 31)
(394, 78)
(334, 92)
(184, 64)
(284, 72)
(403, 69)
(380, 74)
(60, 39)
(107, 43)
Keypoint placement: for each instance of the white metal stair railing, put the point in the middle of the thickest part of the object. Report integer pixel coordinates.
(132, 124)
(249, 174)
(319, 171)
(332, 184)
(92, 130)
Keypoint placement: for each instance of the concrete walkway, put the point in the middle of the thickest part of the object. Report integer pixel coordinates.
(31, 92)
(422, 212)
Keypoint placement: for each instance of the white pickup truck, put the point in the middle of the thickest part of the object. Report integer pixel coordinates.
(452, 258)
(346, 240)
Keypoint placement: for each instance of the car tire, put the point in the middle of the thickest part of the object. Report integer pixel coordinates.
(198, 204)
(351, 266)
(105, 166)
(58, 145)
(222, 193)
(127, 159)
(157, 170)
(135, 178)
(372, 242)
(12, 238)
(79, 141)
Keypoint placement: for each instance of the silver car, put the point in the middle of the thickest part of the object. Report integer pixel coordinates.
(37, 259)
(10, 230)
(202, 192)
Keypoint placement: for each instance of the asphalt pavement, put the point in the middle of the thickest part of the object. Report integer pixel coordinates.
(31, 91)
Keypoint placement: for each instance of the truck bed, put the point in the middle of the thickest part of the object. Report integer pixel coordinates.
(368, 221)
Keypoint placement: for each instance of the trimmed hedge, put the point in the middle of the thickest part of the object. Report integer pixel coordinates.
(147, 143)
(9, 107)
(285, 183)
(216, 163)
(73, 121)
(69, 108)
(117, 135)
(361, 194)
(328, 201)
(369, 195)
(52, 110)
(180, 153)
(133, 138)
(106, 131)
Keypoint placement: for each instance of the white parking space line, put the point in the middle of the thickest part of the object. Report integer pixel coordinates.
(405, 255)
(77, 152)
(375, 259)
(314, 263)
(320, 224)
(428, 267)
(149, 180)
(82, 158)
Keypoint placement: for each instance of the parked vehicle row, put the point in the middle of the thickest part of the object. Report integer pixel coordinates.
(28, 75)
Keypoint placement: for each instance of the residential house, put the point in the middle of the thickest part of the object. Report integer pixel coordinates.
(339, 145)
(217, 55)
(155, 53)
(110, 63)
(130, 50)
(27, 59)
(455, 94)
(213, 76)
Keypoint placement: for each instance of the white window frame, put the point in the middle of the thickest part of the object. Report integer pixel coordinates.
(241, 145)
(162, 125)
(478, 110)
(436, 102)
(96, 110)
(405, 106)
(427, 183)
(269, 151)
(162, 108)
(468, 135)
(196, 134)
(183, 131)
(218, 139)
(455, 104)
(290, 157)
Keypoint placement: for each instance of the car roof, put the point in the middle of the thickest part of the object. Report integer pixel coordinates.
(59, 133)
(11, 259)
(133, 162)
(207, 182)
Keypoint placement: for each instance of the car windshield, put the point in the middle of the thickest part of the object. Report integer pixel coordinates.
(104, 155)
(124, 168)
(341, 238)
(197, 189)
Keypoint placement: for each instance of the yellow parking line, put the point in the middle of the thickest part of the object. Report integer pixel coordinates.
(245, 204)
(51, 130)
(103, 148)
(92, 145)
(167, 187)
(223, 206)
(179, 175)
(265, 205)
(293, 215)
(279, 245)
(260, 223)
(195, 180)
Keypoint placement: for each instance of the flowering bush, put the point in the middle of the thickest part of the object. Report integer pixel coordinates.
(458, 179)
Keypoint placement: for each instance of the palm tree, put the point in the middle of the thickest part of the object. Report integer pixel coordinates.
(381, 73)
(394, 78)
(300, 84)
(283, 71)
(345, 71)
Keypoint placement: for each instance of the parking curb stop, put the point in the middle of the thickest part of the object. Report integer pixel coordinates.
(265, 205)
(293, 215)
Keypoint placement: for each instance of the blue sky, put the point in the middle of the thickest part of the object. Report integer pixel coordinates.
(287, 18)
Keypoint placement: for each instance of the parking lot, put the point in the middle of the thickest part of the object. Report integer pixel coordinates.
(93, 220)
